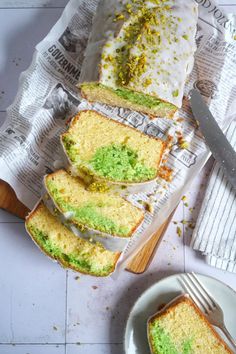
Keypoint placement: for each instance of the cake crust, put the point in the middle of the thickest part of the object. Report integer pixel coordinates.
(163, 147)
(60, 261)
(172, 305)
(133, 229)
(144, 48)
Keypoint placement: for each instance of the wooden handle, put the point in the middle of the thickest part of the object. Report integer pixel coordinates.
(9, 201)
(142, 260)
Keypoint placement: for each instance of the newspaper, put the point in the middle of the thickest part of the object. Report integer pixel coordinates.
(47, 97)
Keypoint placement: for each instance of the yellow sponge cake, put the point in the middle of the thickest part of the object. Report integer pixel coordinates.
(110, 151)
(100, 211)
(180, 328)
(69, 250)
(140, 54)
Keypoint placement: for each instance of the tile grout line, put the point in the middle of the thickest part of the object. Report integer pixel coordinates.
(61, 344)
(31, 8)
(66, 304)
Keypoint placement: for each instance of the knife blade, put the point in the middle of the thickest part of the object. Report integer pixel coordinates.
(220, 147)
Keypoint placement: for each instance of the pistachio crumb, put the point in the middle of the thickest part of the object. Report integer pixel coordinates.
(179, 231)
(175, 93)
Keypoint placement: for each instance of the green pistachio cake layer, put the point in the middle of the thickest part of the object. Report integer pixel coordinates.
(69, 250)
(139, 54)
(111, 151)
(182, 329)
(100, 211)
(123, 97)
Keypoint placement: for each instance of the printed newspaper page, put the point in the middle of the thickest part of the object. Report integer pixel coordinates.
(47, 98)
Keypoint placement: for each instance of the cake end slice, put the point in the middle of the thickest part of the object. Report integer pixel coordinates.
(60, 244)
(181, 328)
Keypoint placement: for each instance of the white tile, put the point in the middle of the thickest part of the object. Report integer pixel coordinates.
(34, 3)
(98, 308)
(7, 217)
(32, 349)
(18, 37)
(32, 291)
(94, 349)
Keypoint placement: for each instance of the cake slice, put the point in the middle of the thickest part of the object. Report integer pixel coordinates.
(181, 328)
(100, 211)
(107, 150)
(140, 54)
(70, 251)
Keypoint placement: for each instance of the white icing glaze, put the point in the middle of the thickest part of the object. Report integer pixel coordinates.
(167, 64)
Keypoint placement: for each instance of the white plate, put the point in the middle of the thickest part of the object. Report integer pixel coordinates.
(164, 291)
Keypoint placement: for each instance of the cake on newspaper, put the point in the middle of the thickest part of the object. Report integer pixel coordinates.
(102, 149)
(99, 211)
(139, 54)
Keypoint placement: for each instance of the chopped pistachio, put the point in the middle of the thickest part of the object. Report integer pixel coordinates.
(175, 93)
(179, 231)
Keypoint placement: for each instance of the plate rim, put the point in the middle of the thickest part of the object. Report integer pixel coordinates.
(159, 281)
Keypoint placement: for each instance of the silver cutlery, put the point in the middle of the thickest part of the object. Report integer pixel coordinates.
(204, 300)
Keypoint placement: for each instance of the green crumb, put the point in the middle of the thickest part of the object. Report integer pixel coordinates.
(186, 205)
(89, 215)
(175, 93)
(120, 163)
(185, 36)
(179, 231)
(142, 99)
(134, 97)
(187, 346)
(161, 341)
(82, 260)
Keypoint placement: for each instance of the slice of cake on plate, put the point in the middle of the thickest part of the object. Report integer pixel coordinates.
(102, 212)
(181, 328)
(55, 240)
(139, 54)
(102, 149)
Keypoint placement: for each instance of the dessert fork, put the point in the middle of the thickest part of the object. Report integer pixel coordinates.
(204, 300)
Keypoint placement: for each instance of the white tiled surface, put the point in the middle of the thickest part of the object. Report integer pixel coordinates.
(32, 349)
(44, 309)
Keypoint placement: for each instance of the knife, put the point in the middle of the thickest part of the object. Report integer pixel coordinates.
(221, 149)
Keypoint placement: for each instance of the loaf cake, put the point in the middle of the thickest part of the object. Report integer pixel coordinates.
(107, 150)
(180, 328)
(70, 251)
(139, 54)
(87, 209)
